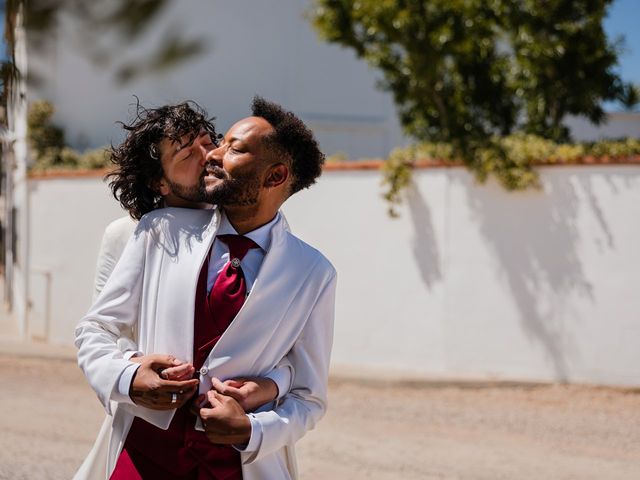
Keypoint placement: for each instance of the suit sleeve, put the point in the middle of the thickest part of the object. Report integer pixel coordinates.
(281, 376)
(306, 402)
(114, 240)
(112, 315)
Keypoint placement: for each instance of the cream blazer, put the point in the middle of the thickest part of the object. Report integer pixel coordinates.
(289, 312)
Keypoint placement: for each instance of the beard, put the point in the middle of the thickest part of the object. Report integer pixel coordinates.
(242, 190)
(190, 193)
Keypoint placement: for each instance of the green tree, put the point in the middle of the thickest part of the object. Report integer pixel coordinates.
(466, 72)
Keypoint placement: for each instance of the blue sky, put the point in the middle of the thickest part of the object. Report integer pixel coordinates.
(623, 20)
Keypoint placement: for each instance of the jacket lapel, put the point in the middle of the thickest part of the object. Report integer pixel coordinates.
(280, 277)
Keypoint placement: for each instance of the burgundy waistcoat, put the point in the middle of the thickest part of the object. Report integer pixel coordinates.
(181, 452)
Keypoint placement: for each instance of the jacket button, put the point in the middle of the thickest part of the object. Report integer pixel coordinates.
(204, 371)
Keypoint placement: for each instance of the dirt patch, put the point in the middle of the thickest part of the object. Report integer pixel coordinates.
(50, 418)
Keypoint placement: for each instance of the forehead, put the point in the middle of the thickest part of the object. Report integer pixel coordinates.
(248, 129)
(169, 145)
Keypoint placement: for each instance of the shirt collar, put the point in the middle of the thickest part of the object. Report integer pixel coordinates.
(261, 235)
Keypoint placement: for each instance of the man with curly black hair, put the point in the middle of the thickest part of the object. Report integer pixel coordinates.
(261, 300)
(139, 173)
(146, 177)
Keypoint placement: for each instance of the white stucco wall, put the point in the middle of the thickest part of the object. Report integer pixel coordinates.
(471, 281)
(67, 220)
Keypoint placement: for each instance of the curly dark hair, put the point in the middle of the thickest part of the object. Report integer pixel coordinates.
(293, 140)
(137, 159)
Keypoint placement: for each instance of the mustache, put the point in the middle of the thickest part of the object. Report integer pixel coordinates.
(212, 169)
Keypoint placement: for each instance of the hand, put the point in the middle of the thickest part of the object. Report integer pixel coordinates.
(149, 389)
(249, 392)
(225, 422)
(181, 372)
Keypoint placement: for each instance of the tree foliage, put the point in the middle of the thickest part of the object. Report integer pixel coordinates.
(467, 72)
(48, 146)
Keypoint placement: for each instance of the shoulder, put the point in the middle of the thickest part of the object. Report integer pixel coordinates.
(115, 237)
(300, 252)
(119, 229)
(175, 219)
(312, 255)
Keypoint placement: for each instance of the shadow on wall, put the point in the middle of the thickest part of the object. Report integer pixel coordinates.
(424, 243)
(536, 241)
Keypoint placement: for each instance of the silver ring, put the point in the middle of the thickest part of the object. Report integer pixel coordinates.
(174, 397)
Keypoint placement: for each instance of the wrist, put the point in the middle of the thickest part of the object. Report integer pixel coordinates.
(274, 389)
(244, 430)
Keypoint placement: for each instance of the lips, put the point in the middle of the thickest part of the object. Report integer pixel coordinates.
(215, 171)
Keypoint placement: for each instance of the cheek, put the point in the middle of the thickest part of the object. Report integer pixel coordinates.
(188, 169)
(239, 166)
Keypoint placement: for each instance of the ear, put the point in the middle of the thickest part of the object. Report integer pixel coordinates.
(161, 187)
(277, 175)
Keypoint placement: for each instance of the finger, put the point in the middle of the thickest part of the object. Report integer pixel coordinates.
(214, 399)
(164, 361)
(218, 385)
(236, 382)
(232, 392)
(173, 397)
(205, 414)
(228, 387)
(186, 394)
(184, 397)
(183, 371)
(174, 385)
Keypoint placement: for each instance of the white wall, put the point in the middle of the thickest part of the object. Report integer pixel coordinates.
(264, 47)
(67, 219)
(615, 125)
(471, 281)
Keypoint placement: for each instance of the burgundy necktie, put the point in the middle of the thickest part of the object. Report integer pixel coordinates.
(230, 288)
(225, 299)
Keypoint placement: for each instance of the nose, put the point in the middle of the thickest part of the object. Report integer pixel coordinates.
(203, 149)
(215, 156)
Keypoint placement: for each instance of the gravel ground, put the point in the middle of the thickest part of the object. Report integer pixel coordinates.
(50, 417)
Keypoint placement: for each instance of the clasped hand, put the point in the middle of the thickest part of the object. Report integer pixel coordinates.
(223, 410)
(163, 382)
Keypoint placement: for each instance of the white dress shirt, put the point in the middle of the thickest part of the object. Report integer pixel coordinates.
(251, 262)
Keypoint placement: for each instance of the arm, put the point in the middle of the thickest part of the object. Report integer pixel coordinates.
(301, 408)
(114, 312)
(254, 392)
(111, 374)
(113, 243)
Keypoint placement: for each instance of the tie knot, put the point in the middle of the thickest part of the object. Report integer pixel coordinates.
(238, 245)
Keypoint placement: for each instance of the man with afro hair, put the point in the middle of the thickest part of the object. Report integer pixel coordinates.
(262, 299)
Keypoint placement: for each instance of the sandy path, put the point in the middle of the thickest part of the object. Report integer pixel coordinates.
(50, 416)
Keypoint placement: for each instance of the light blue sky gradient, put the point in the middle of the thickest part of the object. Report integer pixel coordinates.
(623, 20)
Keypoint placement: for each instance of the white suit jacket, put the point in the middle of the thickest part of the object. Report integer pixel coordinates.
(289, 312)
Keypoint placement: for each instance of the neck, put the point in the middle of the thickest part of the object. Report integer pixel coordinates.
(247, 219)
(173, 201)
